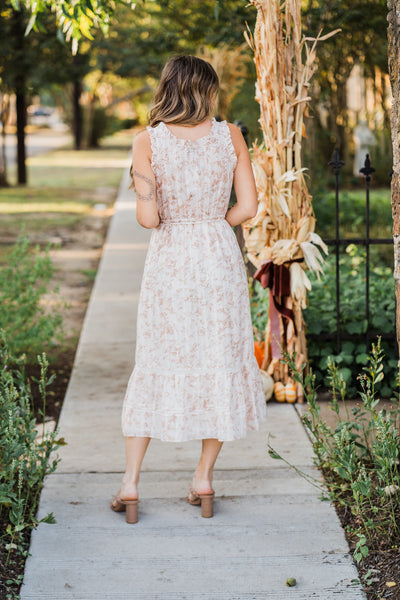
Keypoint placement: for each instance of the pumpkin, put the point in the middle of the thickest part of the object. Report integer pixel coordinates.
(259, 348)
(279, 391)
(268, 384)
(290, 392)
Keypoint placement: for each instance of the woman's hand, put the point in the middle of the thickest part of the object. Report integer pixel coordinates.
(243, 182)
(144, 182)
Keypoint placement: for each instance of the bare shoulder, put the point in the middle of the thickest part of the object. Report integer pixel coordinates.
(141, 141)
(237, 138)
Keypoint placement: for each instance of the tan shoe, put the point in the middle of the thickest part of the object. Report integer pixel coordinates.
(131, 507)
(205, 500)
(117, 504)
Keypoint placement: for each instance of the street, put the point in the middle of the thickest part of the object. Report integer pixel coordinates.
(40, 142)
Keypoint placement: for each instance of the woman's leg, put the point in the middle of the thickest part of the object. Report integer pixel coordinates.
(135, 450)
(203, 475)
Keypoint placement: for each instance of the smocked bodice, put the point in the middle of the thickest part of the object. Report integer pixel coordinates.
(193, 177)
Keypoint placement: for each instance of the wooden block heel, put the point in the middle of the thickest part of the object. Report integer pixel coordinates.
(206, 501)
(207, 508)
(131, 510)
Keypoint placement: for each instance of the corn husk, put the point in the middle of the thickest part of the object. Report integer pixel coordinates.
(284, 228)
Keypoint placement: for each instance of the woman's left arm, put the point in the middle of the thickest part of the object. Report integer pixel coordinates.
(145, 183)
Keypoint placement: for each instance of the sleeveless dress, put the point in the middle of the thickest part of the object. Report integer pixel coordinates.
(195, 373)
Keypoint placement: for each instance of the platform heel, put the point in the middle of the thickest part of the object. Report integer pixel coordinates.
(131, 510)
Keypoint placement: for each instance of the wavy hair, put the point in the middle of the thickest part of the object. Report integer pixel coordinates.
(185, 93)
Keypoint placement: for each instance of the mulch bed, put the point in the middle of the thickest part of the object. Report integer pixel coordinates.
(381, 565)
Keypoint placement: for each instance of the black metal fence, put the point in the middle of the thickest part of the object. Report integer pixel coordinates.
(337, 242)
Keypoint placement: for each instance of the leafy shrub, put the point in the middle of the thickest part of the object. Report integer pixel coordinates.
(320, 317)
(102, 124)
(359, 456)
(129, 123)
(24, 459)
(24, 280)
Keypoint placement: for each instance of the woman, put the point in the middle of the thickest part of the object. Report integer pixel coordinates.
(195, 374)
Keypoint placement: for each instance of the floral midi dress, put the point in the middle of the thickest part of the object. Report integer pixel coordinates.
(195, 374)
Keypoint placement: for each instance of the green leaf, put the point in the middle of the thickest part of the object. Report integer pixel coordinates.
(346, 374)
(274, 454)
(362, 359)
(50, 518)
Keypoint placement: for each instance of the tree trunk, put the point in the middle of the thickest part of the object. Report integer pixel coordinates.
(77, 113)
(394, 73)
(21, 124)
(5, 111)
(20, 91)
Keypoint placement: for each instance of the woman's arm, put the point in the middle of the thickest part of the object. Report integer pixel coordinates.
(243, 182)
(144, 180)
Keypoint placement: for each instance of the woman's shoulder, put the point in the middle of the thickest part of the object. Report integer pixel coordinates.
(234, 130)
(142, 138)
(237, 137)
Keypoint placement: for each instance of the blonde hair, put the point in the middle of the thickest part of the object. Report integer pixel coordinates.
(185, 93)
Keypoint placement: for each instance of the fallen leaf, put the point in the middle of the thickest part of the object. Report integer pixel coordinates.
(390, 583)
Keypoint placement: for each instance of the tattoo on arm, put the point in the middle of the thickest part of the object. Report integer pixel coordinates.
(150, 195)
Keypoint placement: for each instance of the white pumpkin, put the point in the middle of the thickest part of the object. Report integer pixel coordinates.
(268, 384)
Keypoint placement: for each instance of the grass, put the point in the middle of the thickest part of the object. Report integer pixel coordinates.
(89, 273)
(63, 186)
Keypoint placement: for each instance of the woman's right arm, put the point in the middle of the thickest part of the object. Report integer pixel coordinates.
(243, 182)
(145, 183)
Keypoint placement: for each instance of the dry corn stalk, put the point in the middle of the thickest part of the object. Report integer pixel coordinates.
(283, 229)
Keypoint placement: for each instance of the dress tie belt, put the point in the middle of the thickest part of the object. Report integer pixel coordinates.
(184, 221)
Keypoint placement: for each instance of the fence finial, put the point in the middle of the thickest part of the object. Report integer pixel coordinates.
(367, 169)
(336, 163)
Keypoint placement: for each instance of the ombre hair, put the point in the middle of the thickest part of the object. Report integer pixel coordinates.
(185, 93)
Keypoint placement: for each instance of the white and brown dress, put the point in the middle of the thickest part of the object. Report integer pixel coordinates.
(195, 373)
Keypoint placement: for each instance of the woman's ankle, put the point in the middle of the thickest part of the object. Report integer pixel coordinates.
(130, 479)
(205, 474)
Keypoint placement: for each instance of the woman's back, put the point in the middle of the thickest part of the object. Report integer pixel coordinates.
(193, 177)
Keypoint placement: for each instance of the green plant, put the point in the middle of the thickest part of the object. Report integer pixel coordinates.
(259, 308)
(89, 273)
(25, 458)
(102, 124)
(25, 279)
(359, 456)
(320, 317)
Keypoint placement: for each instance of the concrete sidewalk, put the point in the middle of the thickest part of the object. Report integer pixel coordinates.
(268, 525)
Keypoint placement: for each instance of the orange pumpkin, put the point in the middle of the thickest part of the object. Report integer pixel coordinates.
(259, 349)
(290, 392)
(279, 391)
